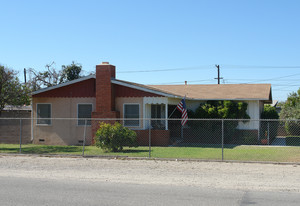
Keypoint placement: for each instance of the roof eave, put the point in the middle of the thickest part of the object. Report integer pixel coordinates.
(148, 89)
(63, 84)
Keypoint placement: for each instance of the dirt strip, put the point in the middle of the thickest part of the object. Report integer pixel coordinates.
(244, 176)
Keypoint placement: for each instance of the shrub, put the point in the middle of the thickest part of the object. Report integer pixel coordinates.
(112, 138)
(269, 113)
(250, 140)
(247, 137)
(292, 127)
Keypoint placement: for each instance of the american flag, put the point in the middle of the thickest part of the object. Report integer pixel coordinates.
(182, 108)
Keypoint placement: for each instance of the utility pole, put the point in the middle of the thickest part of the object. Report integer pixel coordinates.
(218, 66)
(25, 75)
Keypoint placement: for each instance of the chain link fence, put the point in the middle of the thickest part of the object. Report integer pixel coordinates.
(209, 139)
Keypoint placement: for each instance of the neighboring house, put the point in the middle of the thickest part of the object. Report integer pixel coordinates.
(104, 96)
(10, 111)
(10, 126)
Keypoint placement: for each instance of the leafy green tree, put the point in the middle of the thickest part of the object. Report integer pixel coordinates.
(291, 112)
(71, 72)
(291, 107)
(12, 92)
(218, 110)
(113, 138)
(221, 110)
(269, 112)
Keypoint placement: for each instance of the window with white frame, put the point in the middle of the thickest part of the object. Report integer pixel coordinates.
(131, 115)
(43, 114)
(158, 112)
(84, 112)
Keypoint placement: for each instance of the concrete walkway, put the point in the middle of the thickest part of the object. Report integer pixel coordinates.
(279, 141)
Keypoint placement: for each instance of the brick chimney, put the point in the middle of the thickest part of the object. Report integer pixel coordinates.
(105, 99)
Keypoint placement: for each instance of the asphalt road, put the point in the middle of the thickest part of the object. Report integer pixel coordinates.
(36, 191)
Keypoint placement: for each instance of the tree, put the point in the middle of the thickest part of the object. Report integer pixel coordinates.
(291, 107)
(267, 126)
(221, 110)
(218, 110)
(52, 77)
(71, 72)
(12, 92)
(47, 78)
(269, 112)
(291, 112)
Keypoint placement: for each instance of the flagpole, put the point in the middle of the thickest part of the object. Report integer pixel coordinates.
(182, 108)
(181, 132)
(172, 113)
(173, 110)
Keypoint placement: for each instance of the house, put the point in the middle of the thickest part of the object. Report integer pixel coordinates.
(102, 96)
(10, 124)
(11, 111)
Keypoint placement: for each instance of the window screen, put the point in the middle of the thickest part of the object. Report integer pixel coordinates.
(84, 111)
(44, 114)
(131, 111)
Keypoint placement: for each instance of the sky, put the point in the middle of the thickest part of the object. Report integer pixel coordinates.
(159, 41)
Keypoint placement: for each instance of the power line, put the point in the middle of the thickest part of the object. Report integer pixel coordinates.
(259, 67)
(276, 78)
(280, 85)
(225, 66)
(263, 79)
(165, 70)
(203, 80)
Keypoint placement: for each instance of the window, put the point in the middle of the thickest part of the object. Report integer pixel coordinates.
(84, 111)
(158, 111)
(43, 114)
(132, 111)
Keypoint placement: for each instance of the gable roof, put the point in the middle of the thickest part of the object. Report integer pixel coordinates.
(220, 91)
(192, 91)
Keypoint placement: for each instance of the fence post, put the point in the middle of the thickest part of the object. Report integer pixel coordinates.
(258, 133)
(268, 133)
(84, 131)
(149, 138)
(222, 139)
(20, 136)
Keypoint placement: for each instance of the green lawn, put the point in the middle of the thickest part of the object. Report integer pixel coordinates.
(242, 153)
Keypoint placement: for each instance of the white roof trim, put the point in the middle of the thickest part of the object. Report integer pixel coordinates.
(64, 84)
(114, 81)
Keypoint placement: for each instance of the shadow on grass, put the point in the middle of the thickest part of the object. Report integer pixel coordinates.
(45, 149)
(14, 149)
(293, 141)
(133, 151)
(228, 146)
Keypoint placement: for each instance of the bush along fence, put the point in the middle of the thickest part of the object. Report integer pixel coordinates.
(219, 139)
